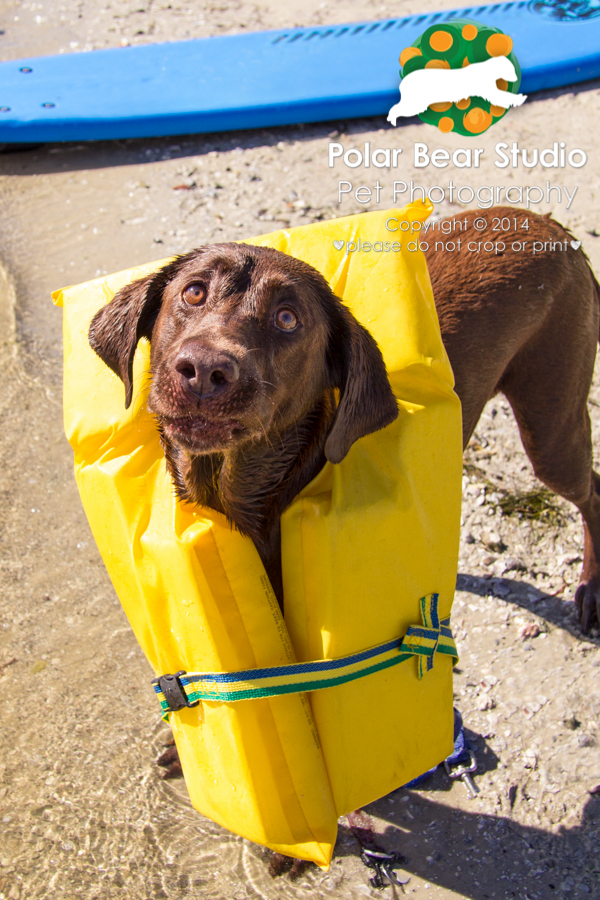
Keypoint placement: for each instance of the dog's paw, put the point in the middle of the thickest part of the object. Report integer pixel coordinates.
(278, 864)
(169, 760)
(587, 600)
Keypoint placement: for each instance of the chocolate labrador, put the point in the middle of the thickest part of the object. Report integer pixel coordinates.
(249, 347)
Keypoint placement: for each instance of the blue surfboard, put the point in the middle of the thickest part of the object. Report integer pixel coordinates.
(270, 78)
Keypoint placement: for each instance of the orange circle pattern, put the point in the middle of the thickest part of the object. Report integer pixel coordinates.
(437, 64)
(499, 45)
(440, 41)
(407, 54)
(477, 120)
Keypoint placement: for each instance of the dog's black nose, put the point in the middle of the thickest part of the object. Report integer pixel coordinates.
(204, 370)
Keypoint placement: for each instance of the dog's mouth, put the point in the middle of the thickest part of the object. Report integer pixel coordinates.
(201, 435)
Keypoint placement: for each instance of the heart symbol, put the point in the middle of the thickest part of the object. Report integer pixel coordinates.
(338, 244)
(575, 245)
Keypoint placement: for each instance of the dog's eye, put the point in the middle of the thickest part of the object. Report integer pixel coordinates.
(195, 293)
(286, 320)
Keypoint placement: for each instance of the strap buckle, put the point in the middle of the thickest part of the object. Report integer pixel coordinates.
(173, 691)
(384, 865)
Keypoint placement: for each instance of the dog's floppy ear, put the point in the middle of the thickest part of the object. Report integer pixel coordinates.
(118, 326)
(367, 402)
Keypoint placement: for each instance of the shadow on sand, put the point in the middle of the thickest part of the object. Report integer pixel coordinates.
(485, 857)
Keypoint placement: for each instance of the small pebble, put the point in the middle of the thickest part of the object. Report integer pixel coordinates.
(531, 630)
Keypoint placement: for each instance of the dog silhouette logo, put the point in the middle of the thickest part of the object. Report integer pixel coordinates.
(460, 76)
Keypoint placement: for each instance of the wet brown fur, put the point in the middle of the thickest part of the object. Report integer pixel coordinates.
(261, 437)
(527, 326)
(522, 324)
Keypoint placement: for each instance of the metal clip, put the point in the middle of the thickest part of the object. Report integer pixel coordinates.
(464, 772)
(384, 865)
(173, 691)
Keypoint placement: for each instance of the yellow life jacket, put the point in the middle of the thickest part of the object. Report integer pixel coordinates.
(361, 545)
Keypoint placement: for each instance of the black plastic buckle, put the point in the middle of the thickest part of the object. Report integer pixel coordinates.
(384, 865)
(173, 691)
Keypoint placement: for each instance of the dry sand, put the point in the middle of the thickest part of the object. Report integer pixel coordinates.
(83, 813)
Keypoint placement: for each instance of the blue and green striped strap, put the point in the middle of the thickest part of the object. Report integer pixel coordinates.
(422, 641)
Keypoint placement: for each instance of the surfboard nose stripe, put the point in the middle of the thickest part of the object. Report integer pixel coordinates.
(420, 641)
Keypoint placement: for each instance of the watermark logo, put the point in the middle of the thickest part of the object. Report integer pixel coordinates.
(460, 76)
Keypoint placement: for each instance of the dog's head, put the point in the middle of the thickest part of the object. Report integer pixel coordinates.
(244, 341)
(502, 67)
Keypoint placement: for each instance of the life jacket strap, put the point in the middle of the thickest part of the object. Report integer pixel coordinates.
(423, 641)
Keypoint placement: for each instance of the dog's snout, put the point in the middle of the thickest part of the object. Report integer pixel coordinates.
(205, 371)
